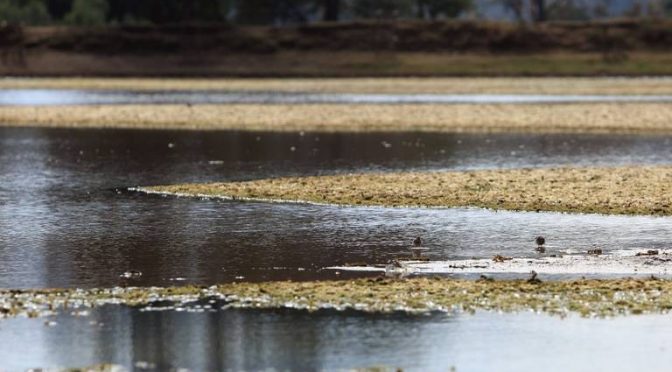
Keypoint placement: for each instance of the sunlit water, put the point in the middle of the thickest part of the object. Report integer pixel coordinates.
(34, 97)
(293, 340)
(63, 223)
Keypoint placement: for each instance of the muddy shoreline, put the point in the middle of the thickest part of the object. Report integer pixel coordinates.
(537, 118)
(622, 190)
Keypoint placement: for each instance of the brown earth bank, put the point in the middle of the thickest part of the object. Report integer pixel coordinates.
(402, 48)
(622, 190)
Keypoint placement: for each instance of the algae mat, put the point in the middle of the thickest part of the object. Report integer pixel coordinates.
(622, 190)
(376, 295)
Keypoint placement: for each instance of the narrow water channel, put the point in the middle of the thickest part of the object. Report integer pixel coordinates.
(33, 97)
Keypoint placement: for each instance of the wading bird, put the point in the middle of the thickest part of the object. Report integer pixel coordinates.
(540, 244)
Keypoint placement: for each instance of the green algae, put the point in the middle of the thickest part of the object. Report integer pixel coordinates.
(600, 298)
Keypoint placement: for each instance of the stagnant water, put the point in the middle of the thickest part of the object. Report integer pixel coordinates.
(65, 220)
(249, 340)
(34, 97)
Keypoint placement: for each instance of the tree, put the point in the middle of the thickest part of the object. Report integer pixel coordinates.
(87, 13)
(567, 10)
(332, 10)
(382, 9)
(539, 10)
(517, 7)
(33, 12)
(446, 8)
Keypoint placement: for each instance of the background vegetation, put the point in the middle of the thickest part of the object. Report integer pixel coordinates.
(280, 12)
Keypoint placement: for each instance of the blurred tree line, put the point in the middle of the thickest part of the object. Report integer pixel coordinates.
(262, 12)
(278, 12)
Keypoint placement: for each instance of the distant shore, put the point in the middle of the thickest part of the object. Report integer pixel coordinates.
(540, 118)
(338, 64)
(632, 47)
(400, 85)
(620, 190)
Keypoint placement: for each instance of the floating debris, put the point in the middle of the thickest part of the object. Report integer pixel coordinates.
(500, 258)
(131, 274)
(650, 252)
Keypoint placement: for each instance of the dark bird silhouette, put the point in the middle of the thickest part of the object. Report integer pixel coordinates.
(417, 242)
(533, 278)
(540, 244)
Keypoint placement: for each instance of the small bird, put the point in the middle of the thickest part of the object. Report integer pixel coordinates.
(540, 244)
(533, 278)
(417, 242)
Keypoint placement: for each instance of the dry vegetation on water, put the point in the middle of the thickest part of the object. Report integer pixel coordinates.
(623, 190)
(578, 118)
(623, 86)
(585, 297)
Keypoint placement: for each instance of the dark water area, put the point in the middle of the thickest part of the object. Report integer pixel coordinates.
(209, 339)
(41, 97)
(65, 220)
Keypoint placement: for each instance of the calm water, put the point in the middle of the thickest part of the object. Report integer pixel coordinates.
(63, 223)
(294, 340)
(83, 97)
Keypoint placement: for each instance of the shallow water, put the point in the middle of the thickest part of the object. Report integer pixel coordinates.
(295, 340)
(63, 224)
(34, 97)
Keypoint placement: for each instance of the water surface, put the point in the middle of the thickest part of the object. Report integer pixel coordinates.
(295, 340)
(65, 220)
(33, 97)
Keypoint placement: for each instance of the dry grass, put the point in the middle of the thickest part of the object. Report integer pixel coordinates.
(569, 85)
(629, 117)
(626, 190)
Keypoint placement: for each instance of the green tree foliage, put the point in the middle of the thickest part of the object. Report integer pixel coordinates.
(446, 8)
(32, 12)
(382, 9)
(87, 13)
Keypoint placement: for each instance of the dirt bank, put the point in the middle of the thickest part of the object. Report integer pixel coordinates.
(624, 190)
(575, 118)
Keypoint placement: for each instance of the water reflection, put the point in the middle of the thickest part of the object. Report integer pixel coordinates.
(63, 224)
(293, 340)
(40, 97)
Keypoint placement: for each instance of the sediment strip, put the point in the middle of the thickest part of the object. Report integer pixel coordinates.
(570, 118)
(621, 190)
(376, 295)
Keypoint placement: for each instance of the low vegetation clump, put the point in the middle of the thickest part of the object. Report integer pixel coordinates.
(375, 295)
(623, 190)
